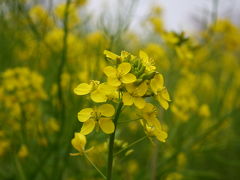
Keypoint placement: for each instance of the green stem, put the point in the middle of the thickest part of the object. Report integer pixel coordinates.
(111, 142)
(98, 170)
(130, 145)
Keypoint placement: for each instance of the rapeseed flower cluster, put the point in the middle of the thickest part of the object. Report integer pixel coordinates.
(131, 81)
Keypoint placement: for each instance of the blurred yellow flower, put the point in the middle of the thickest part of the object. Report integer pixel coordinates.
(23, 151)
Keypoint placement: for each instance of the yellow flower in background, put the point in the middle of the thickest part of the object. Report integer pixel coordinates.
(23, 151)
(160, 91)
(100, 115)
(119, 75)
(134, 95)
(204, 111)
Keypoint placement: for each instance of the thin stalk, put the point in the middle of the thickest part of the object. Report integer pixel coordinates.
(130, 145)
(98, 170)
(111, 142)
(61, 110)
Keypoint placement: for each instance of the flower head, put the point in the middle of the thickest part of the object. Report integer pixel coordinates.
(98, 92)
(119, 75)
(134, 95)
(160, 91)
(100, 115)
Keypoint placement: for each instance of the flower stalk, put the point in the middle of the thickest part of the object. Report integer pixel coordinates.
(111, 142)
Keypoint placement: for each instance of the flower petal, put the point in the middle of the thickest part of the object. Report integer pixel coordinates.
(157, 83)
(98, 96)
(79, 142)
(84, 114)
(141, 89)
(110, 71)
(124, 68)
(113, 82)
(127, 99)
(162, 102)
(83, 89)
(128, 78)
(106, 110)
(143, 55)
(139, 102)
(165, 94)
(106, 125)
(110, 55)
(161, 135)
(88, 127)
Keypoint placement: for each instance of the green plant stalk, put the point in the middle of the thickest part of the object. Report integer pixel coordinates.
(131, 145)
(111, 142)
(100, 172)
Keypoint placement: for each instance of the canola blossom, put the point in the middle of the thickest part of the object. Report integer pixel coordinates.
(117, 99)
(134, 80)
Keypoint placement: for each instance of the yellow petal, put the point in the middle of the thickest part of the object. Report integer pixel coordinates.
(88, 127)
(141, 89)
(161, 135)
(128, 78)
(143, 55)
(139, 102)
(110, 55)
(98, 96)
(163, 102)
(124, 68)
(83, 89)
(110, 71)
(157, 83)
(130, 88)
(165, 94)
(107, 89)
(79, 142)
(106, 110)
(106, 125)
(114, 82)
(85, 114)
(127, 99)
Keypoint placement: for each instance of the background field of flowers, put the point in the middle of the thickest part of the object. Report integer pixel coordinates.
(47, 49)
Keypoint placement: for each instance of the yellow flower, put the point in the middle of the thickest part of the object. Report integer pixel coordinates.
(151, 124)
(134, 95)
(98, 92)
(149, 111)
(160, 92)
(122, 57)
(97, 116)
(111, 55)
(78, 142)
(23, 151)
(119, 75)
(147, 62)
(153, 128)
